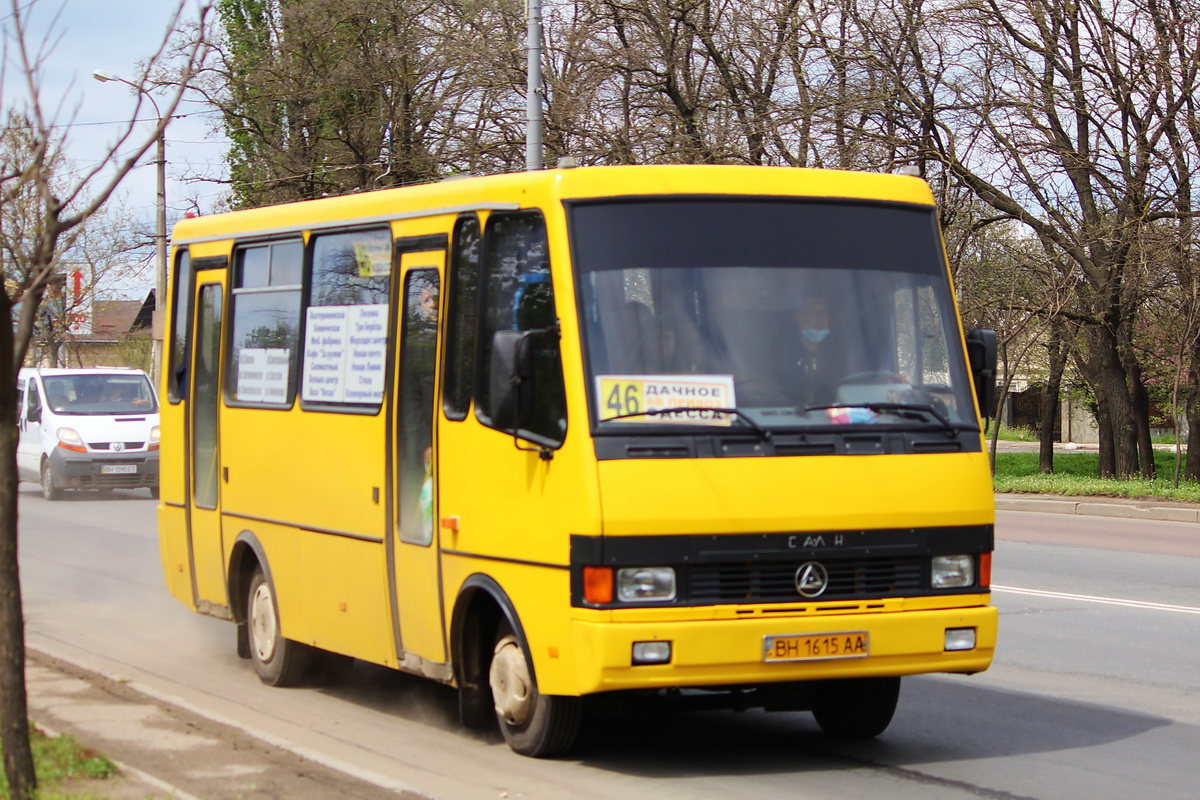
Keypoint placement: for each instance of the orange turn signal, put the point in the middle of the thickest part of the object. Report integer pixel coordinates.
(598, 585)
(985, 570)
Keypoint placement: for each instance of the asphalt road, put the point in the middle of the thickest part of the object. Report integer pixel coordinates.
(1094, 693)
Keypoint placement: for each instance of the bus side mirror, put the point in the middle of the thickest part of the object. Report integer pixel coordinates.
(981, 353)
(510, 388)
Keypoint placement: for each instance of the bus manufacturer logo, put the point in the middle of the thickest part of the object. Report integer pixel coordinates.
(812, 579)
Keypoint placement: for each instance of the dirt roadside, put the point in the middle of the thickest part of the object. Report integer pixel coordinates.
(169, 752)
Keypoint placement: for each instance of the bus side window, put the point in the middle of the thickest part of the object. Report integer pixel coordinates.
(180, 322)
(351, 275)
(264, 340)
(418, 344)
(462, 315)
(518, 295)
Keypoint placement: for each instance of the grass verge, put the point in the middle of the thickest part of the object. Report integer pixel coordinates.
(59, 759)
(1007, 434)
(1075, 474)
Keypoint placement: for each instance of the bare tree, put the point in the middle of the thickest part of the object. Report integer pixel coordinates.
(59, 207)
(1057, 115)
(112, 251)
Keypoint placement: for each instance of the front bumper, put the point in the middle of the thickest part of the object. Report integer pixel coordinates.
(126, 470)
(727, 651)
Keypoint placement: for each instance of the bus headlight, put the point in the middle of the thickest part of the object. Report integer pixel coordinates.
(645, 583)
(951, 572)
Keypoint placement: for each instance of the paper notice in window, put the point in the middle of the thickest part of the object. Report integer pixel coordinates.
(345, 354)
(657, 399)
(263, 375)
(374, 258)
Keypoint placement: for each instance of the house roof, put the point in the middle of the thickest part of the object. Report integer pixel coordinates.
(116, 319)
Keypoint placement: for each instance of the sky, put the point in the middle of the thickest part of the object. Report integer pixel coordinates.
(114, 37)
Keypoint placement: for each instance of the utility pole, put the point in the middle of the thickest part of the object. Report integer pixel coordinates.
(533, 94)
(160, 223)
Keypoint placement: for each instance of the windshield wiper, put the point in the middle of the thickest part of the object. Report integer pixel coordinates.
(763, 433)
(901, 408)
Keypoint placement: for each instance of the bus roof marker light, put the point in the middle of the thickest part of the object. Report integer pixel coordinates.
(567, 162)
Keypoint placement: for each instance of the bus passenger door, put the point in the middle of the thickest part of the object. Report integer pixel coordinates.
(413, 541)
(204, 508)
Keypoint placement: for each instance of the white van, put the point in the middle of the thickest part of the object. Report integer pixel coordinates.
(87, 429)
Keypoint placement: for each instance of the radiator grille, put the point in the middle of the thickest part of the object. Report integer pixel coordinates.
(850, 578)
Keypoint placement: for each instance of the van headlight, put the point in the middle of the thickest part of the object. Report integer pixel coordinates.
(69, 439)
(638, 584)
(953, 572)
(154, 436)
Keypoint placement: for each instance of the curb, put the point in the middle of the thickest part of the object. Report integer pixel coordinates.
(166, 748)
(1042, 504)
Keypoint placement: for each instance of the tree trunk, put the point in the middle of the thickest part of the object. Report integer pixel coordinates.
(1049, 411)
(1112, 392)
(1001, 401)
(1192, 464)
(1139, 402)
(14, 714)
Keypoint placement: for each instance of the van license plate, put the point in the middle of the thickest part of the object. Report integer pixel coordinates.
(118, 469)
(816, 646)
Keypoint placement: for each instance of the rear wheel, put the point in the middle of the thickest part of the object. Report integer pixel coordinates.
(533, 724)
(49, 490)
(858, 708)
(278, 661)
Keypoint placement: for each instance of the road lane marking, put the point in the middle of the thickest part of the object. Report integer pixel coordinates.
(1108, 601)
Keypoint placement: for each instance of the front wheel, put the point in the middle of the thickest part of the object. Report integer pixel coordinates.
(50, 490)
(856, 708)
(278, 661)
(533, 724)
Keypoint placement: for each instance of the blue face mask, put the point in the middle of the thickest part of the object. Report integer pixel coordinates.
(815, 336)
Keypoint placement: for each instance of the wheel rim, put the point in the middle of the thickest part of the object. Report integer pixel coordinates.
(262, 623)
(512, 687)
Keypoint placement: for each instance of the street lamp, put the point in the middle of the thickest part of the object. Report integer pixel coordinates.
(160, 289)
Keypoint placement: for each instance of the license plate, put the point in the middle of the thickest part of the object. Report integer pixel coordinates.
(118, 469)
(816, 646)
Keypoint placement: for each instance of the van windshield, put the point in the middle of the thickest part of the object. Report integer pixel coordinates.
(798, 314)
(100, 394)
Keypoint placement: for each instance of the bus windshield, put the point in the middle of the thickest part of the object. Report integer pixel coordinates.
(785, 313)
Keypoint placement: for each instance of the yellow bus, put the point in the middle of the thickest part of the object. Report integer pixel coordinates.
(701, 433)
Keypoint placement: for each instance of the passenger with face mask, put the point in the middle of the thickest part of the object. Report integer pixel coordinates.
(818, 363)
